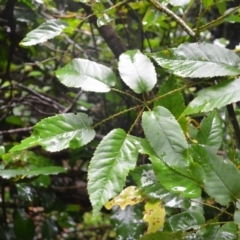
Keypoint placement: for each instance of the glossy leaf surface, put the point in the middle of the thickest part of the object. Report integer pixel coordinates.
(165, 137)
(184, 221)
(59, 132)
(88, 75)
(137, 71)
(210, 132)
(45, 31)
(215, 97)
(114, 157)
(221, 177)
(128, 223)
(199, 60)
(161, 235)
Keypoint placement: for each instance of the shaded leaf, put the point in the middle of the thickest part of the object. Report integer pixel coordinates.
(227, 232)
(154, 215)
(150, 17)
(215, 97)
(59, 132)
(88, 75)
(114, 157)
(49, 170)
(129, 196)
(210, 132)
(132, 68)
(162, 235)
(221, 177)
(45, 31)
(148, 183)
(199, 60)
(184, 221)
(165, 137)
(128, 223)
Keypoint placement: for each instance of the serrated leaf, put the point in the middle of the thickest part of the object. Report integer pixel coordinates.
(11, 173)
(59, 132)
(45, 31)
(114, 157)
(184, 221)
(210, 132)
(146, 180)
(221, 177)
(175, 181)
(129, 196)
(86, 74)
(215, 97)
(154, 214)
(128, 223)
(137, 71)
(165, 137)
(199, 60)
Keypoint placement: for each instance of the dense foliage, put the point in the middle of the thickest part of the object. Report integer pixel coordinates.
(119, 119)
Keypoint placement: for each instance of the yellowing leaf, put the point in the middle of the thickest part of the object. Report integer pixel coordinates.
(129, 196)
(154, 215)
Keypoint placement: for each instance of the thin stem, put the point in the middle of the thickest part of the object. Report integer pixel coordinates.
(167, 11)
(128, 94)
(136, 120)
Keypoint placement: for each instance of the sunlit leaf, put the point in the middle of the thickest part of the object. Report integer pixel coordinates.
(45, 31)
(227, 232)
(221, 177)
(137, 71)
(154, 215)
(166, 137)
(216, 96)
(210, 132)
(199, 60)
(88, 75)
(59, 132)
(129, 196)
(177, 2)
(114, 157)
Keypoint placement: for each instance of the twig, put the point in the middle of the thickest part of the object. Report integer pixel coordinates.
(167, 11)
(73, 102)
(16, 130)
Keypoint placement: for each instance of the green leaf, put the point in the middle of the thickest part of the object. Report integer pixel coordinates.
(207, 3)
(215, 97)
(146, 180)
(221, 177)
(45, 31)
(24, 227)
(128, 223)
(51, 170)
(114, 157)
(59, 132)
(210, 132)
(150, 17)
(88, 75)
(174, 181)
(137, 71)
(199, 60)
(9, 173)
(227, 232)
(184, 221)
(165, 137)
(161, 235)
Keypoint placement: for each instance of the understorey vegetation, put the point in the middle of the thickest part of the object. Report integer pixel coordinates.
(120, 119)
